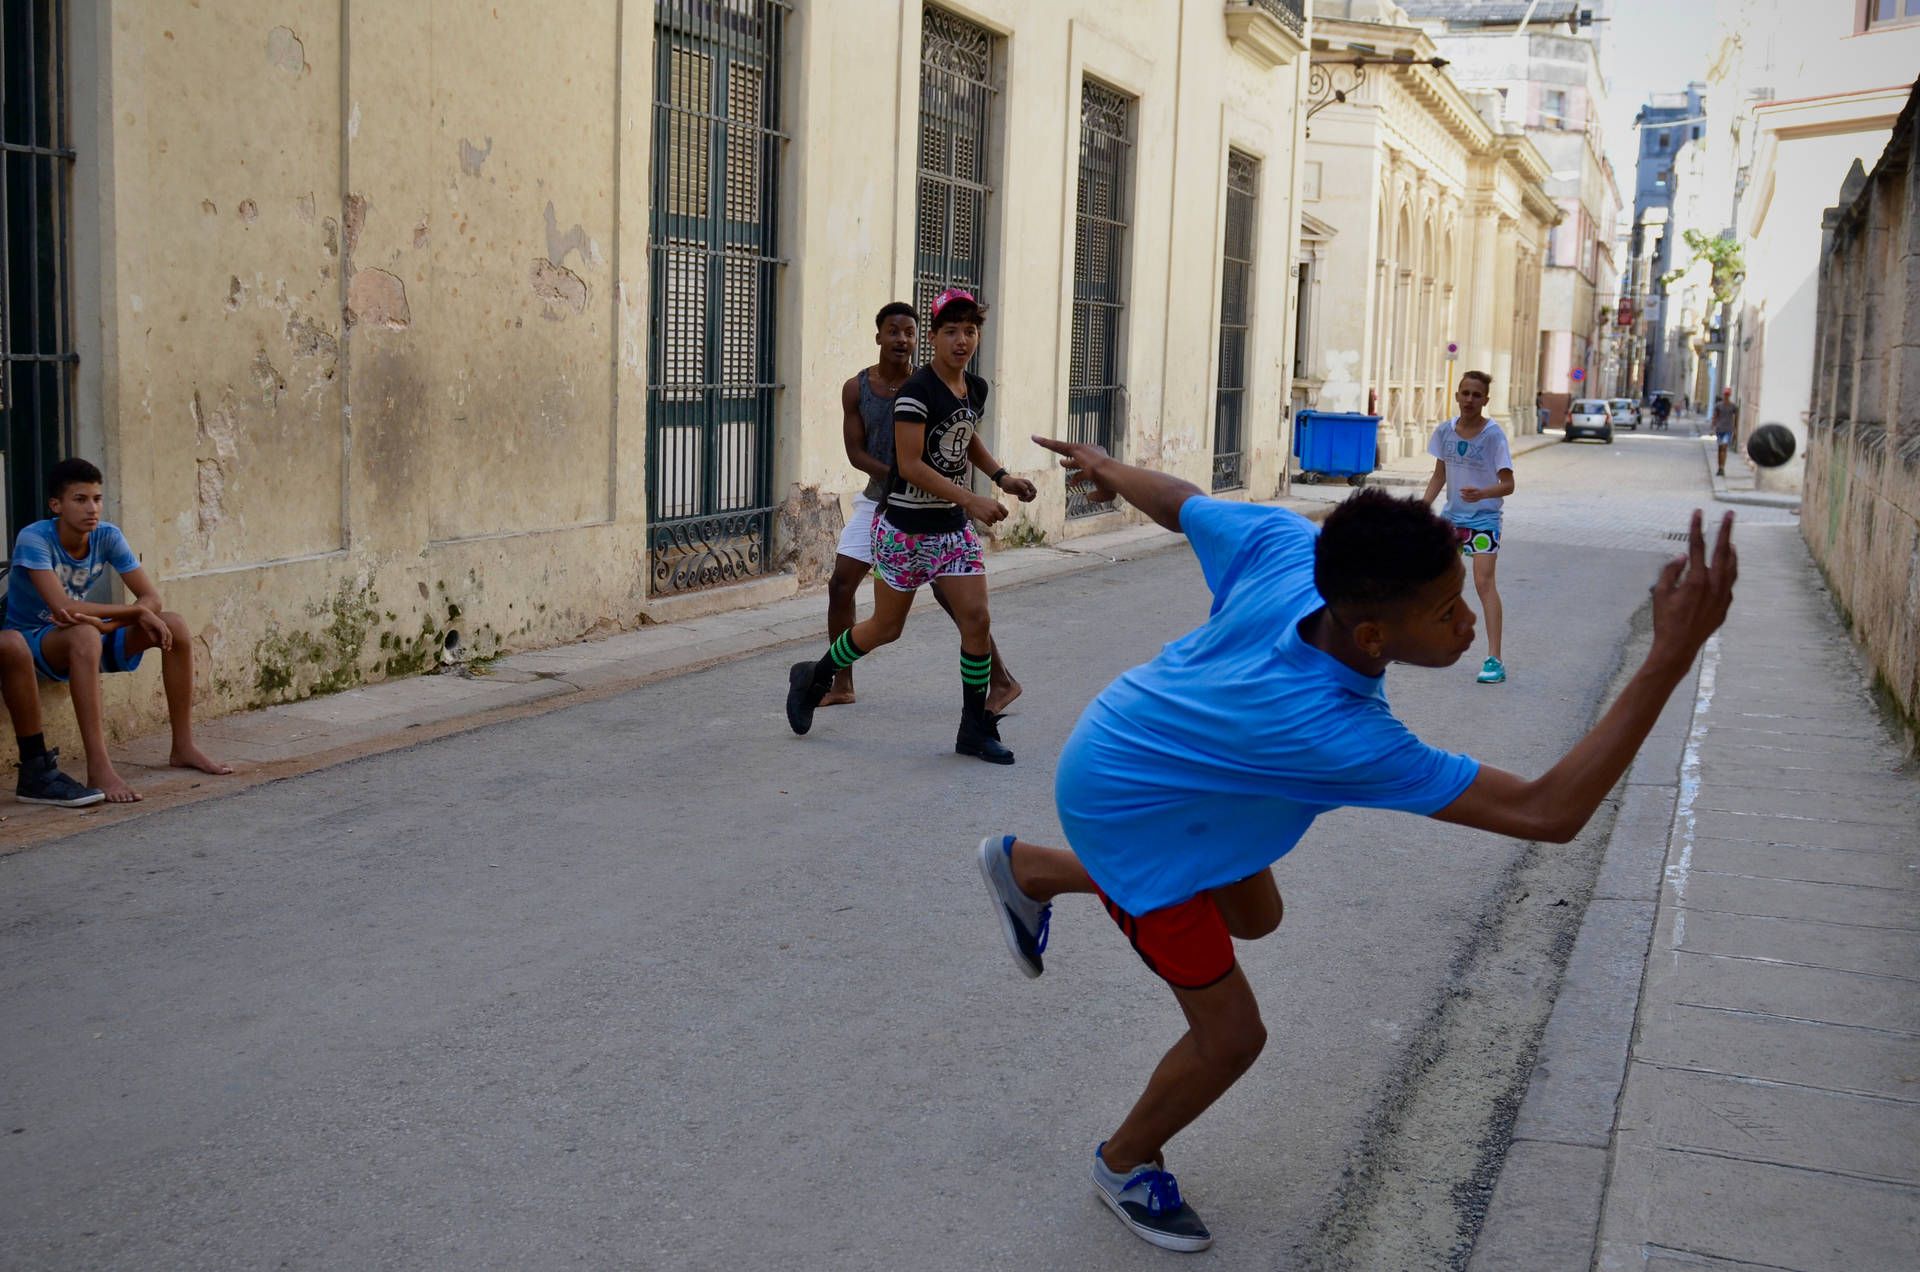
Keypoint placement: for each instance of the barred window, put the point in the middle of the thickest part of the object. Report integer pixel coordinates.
(956, 107)
(1095, 394)
(1236, 309)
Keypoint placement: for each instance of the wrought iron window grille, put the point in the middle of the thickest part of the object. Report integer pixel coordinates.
(37, 358)
(714, 277)
(954, 190)
(1236, 308)
(1096, 397)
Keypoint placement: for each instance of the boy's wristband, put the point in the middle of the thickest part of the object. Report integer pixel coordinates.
(997, 475)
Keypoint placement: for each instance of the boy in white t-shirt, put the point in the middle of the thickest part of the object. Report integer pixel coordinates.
(1473, 463)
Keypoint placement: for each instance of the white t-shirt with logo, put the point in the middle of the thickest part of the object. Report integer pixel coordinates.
(1474, 461)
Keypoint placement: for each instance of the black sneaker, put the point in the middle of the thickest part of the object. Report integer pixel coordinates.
(1148, 1201)
(803, 696)
(42, 782)
(979, 737)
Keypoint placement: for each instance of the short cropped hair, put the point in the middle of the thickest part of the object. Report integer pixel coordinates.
(1377, 550)
(71, 472)
(958, 311)
(1486, 381)
(894, 309)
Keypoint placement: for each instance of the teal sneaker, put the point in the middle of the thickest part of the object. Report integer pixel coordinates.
(1492, 672)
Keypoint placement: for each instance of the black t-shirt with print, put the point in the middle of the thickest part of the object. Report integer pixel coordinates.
(951, 423)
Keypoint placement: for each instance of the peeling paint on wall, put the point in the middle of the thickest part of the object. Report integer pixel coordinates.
(285, 51)
(420, 236)
(557, 285)
(378, 298)
(266, 380)
(472, 159)
(249, 211)
(304, 208)
(309, 340)
(353, 215)
(574, 240)
(236, 293)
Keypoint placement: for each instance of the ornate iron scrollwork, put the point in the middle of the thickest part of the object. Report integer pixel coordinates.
(708, 551)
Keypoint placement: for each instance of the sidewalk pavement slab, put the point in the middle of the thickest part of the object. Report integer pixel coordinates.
(1769, 1115)
(1738, 485)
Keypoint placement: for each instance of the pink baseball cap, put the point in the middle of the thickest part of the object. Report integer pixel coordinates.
(946, 298)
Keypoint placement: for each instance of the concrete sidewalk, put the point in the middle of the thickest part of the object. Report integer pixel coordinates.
(299, 737)
(1747, 1095)
(1738, 485)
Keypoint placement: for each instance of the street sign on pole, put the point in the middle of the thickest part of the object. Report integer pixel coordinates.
(1579, 374)
(1453, 352)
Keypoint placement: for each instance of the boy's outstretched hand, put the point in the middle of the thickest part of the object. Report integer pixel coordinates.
(1692, 594)
(1081, 461)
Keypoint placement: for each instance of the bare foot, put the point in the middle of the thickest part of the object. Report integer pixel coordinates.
(1000, 697)
(115, 787)
(842, 692)
(194, 758)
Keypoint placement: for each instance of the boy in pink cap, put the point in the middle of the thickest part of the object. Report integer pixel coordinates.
(924, 529)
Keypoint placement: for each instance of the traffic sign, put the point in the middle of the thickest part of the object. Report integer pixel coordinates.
(1579, 374)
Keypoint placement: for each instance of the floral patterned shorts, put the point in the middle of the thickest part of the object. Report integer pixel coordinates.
(904, 561)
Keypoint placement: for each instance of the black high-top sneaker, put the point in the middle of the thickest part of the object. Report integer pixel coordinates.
(805, 688)
(42, 782)
(979, 737)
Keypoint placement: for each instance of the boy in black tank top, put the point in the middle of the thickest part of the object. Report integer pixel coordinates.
(923, 532)
(866, 401)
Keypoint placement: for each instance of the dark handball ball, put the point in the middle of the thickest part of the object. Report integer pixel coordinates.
(1770, 446)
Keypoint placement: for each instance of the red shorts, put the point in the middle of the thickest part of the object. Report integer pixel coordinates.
(1186, 945)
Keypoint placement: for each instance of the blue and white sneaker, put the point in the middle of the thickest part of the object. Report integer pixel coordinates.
(1148, 1200)
(1023, 921)
(1492, 672)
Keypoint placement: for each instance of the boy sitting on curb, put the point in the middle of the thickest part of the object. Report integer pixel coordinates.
(69, 638)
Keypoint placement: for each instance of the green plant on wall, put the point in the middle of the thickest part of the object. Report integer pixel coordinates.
(1722, 255)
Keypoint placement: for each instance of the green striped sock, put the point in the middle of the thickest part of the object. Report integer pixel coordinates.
(844, 652)
(975, 672)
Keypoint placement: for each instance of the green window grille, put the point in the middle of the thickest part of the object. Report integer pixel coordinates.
(956, 109)
(37, 359)
(714, 265)
(1236, 308)
(1095, 395)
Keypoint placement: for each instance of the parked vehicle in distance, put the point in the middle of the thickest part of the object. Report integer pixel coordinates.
(1590, 417)
(1625, 412)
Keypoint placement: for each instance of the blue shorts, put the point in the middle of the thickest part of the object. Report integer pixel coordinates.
(113, 652)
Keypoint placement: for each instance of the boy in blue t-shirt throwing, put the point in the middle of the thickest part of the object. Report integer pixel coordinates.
(53, 632)
(1472, 462)
(1187, 778)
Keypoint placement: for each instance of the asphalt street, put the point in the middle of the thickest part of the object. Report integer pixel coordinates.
(652, 983)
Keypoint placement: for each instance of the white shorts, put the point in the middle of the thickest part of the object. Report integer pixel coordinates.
(856, 540)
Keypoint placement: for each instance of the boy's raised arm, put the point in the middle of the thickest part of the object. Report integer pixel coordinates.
(1690, 602)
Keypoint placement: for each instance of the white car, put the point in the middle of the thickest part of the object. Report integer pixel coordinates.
(1590, 417)
(1625, 412)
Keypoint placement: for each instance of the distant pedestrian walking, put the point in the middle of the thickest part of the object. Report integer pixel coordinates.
(1726, 419)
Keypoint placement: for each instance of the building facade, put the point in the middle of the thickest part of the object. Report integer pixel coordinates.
(1436, 218)
(407, 333)
(1809, 91)
(1667, 124)
(1545, 60)
(1861, 510)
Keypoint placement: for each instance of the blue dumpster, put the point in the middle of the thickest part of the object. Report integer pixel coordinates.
(1334, 443)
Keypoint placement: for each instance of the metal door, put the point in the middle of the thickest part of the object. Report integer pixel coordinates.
(714, 268)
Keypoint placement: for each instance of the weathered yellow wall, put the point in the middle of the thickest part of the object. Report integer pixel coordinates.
(376, 326)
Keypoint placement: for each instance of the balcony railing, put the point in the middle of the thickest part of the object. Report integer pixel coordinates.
(1293, 13)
